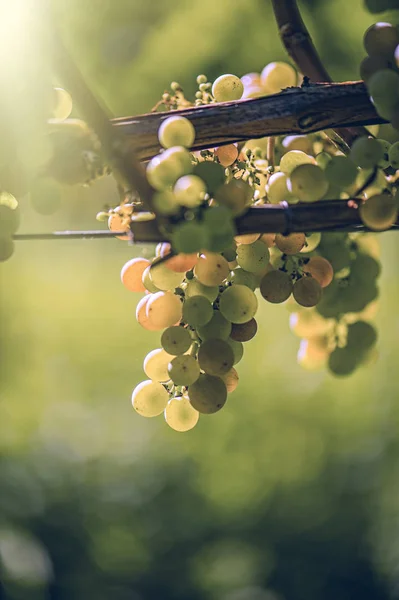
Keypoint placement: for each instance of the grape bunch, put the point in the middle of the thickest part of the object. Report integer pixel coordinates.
(203, 286)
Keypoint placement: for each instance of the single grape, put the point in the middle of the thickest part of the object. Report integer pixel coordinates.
(241, 277)
(227, 88)
(163, 278)
(184, 370)
(212, 174)
(277, 76)
(149, 398)
(366, 152)
(189, 237)
(162, 172)
(196, 288)
(156, 365)
(243, 332)
(208, 394)
(176, 131)
(181, 263)
(307, 291)
(197, 311)
(180, 415)
(276, 286)
(211, 269)
(379, 212)
(247, 238)
(238, 304)
(362, 336)
(141, 315)
(164, 309)
(340, 170)
(236, 195)
(298, 142)
(293, 159)
(147, 281)
(381, 39)
(312, 240)
(291, 243)
(277, 189)
(165, 203)
(320, 269)
(118, 222)
(371, 65)
(230, 380)
(238, 349)
(182, 156)
(343, 362)
(6, 247)
(253, 257)
(176, 340)
(132, 274)
(217, 327)
(190, 191)
(383, 87)
(227, 155)
(308, 182)
(215, 356)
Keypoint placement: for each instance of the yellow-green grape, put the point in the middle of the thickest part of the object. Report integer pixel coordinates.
(141, 315)
(230, 380)
(253, 91)
(162, 173)
(381, 39)
(215, 356)
(277, 76)
(163, 278)
(312, 240)
(340, 171)
(180, 415)
(378, 184)
(247, 238)
(379, 212)
(189, 237)
(45, 196)
(236, 195)
(291, 243)
(147, 281)
(383, 87)
(62, 104)
(196, 288)
(176, 340)
(238, 349)
(149, 398)
(308, 183)
(298, 142)
(227, 88)
(366, 152)
(211, 269)
(276, 188)
(7, 199)
(241, 277)
(197, 311)
(276, 286)
(292, 160)
(212, 174)
(9, 220)
(238, 304)
(164, 309)
(184, 370)
(217, 327)
(165, 203)
(6, 247)
(189, 191)
(182, 156)
(208, 394)
(253, 257)
(393, 155)
(309, 324)
(307, 291)
(156, 364)
(322, 159)
(243, 332)
(176, 131)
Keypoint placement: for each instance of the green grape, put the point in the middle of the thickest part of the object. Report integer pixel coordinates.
(384, 162)
(361, 337)
(383, 86)
(9, 220)
(341, 171)
(381, 39)
(176, 131)
(190, 191)
(371, 65)
(156, 364)
(293, 159)
(236, 195)
(343, 362)
(149, 398)
(241, 277)
(277, 76)
(366, 152)
(189, 237)
(163, 171)
(307, 291)
(393, 155)
(182, 156)
(230, 254)
(163, 278)
(379, 212)
(243, 332)
(238, 349)
(364, 267)
(253, 257)
(312, 240)
(276, 286)
(197, 311)
(227, 88)
(6, 247)
(323, 159)
(238, 304)
(218, 327)
(164, 309)
(7, 199)
(220, 241)
(291, 243)
(176, 340)
(211, 269)
(147, 281)
(308, 182)
(215, 357)
(62, 104)
(208, 394)
(298, 142)
(218, 219)
(180, 415)
(196, 288)
(212, 174)
(45, 196)
(165, 203)
(184, 370)
(276, 188)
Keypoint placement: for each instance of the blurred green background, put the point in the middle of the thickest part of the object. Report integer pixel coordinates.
(291, 492)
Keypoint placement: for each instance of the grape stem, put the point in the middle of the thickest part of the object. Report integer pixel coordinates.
(299, 45)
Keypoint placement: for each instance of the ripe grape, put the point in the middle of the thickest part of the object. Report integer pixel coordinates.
(238, 304)
(371, 65)
(189, 237)
(182, 156)
(343, 362)
(215, 356)
(212, 174)
(62, 107)
(180, 415)
(163, 278)
(217, 327)
(291, 243)
(379, 212)
(208, 394)
(277, 76)
(320, 269)
(227, 155)
(132, 274)
(149, 398)
(176, 131)
(307, 291)
(165, 203)
(156, 365)
(211, 269)
(236, 195)
(197, 311)
(176, 340)
(361, 337)
(196, 288)
(311, 242)
(162, 172)
(308, 182)
(366, 152)
(183, 370)
(298, 142)
(381, 39)
(277, 189)
(253, 257)
(276, 286)
(230, 380)
(181, 263)
(227, 88)
(243, 332)
(340, 170)
(147, 281)
(247, 238)
(164, 309)
(241, 277)
(190, 191)
(141, 315)
(293, 159)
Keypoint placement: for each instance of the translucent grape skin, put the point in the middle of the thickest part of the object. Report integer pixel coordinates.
(276, 286)
(141, 315)
(149, 398)
(253, 257)
(164, 309)
(231, 380)
(180, 415)
(211, 269)
(308, 182)
(291, 243)
(307, 291)
(320, 269)
(184, 370)
(197, 311)
(227, 87)
(215, 357)
(176, 340)
(156, 365)
(132, 273)
(238, 304)
(379, 212)
(176, 131)
(208, 394)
